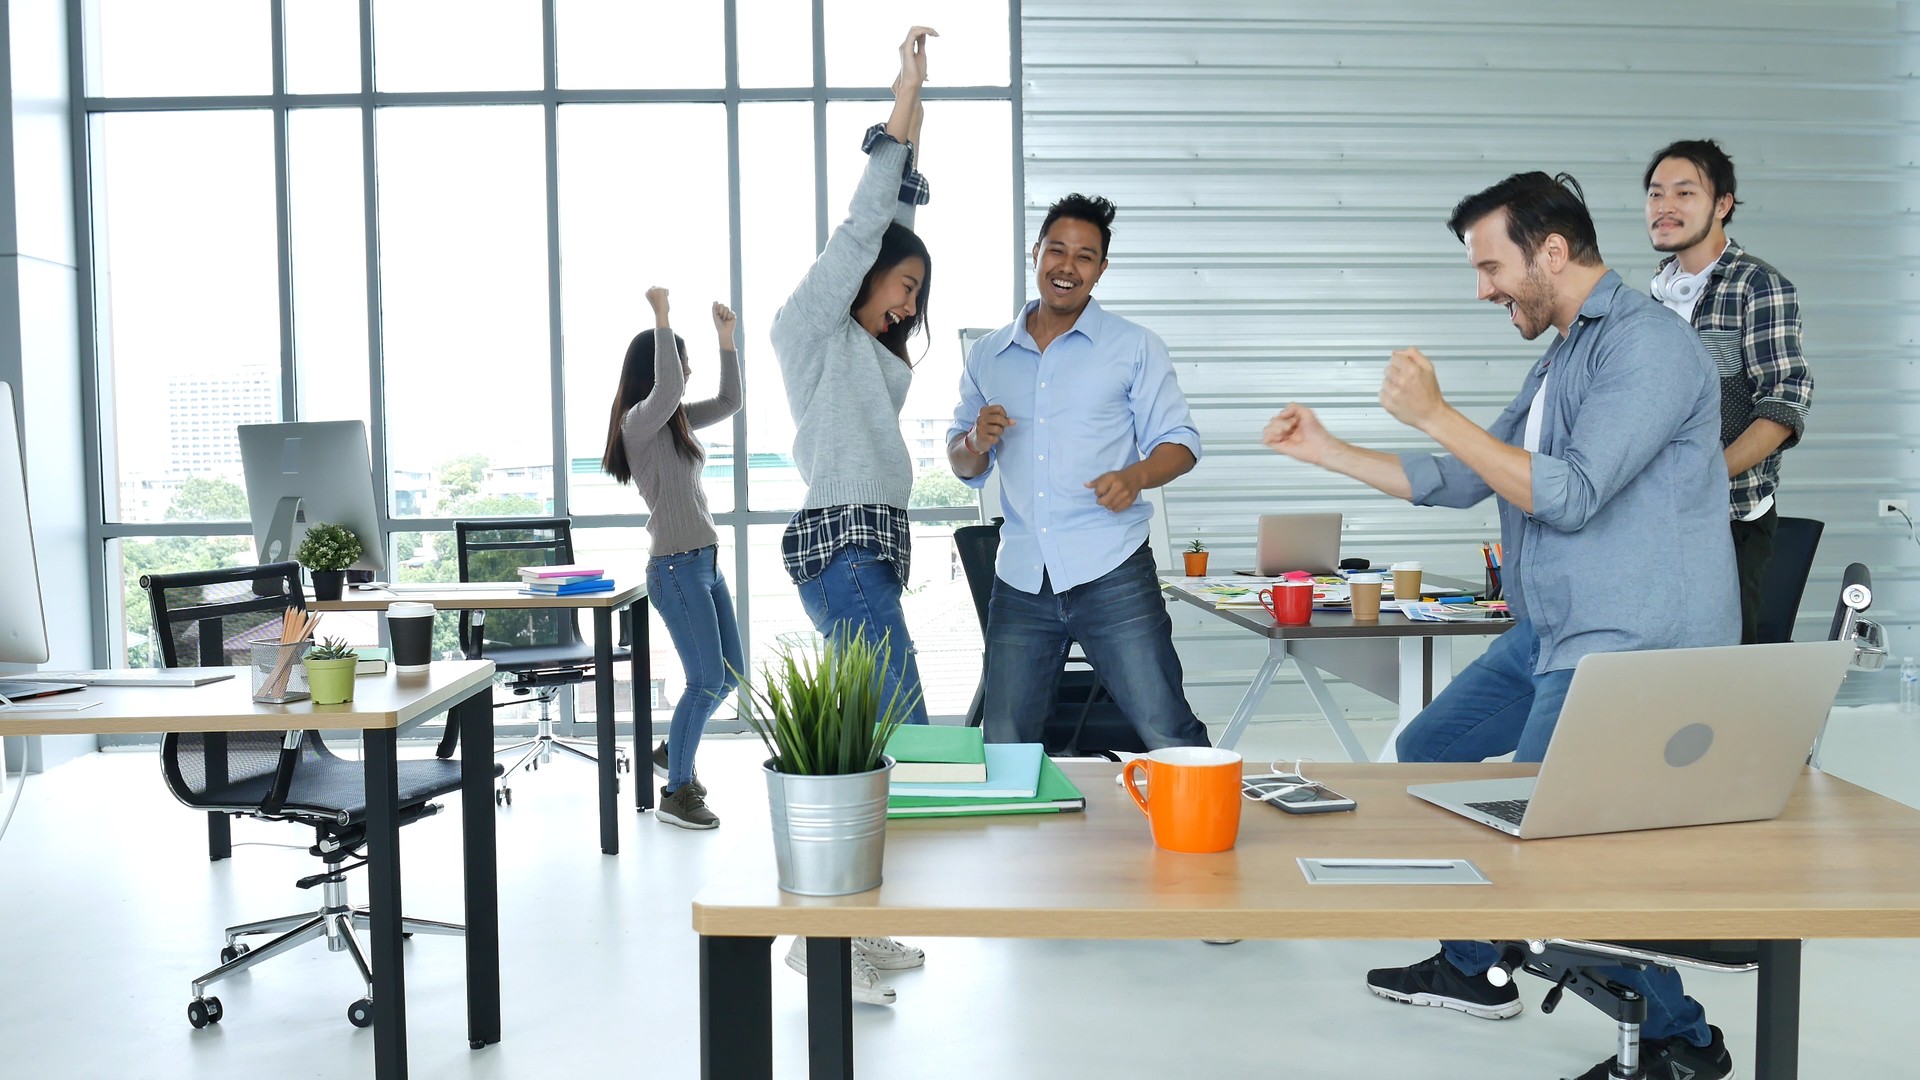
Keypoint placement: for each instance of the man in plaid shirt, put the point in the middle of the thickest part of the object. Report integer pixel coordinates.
(1748, 316)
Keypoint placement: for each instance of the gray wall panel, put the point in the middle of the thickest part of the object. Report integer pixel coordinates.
(1284, 172)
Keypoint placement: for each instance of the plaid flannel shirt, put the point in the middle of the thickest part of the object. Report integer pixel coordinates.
(914, 189)
(1748, 317)
(817, 534)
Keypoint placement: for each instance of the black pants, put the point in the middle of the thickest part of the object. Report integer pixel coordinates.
(1752, 547)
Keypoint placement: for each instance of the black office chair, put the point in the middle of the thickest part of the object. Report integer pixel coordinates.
(1784, 581)
(211, 619)
(1574, 965)
(1080, 692)
(539, 649)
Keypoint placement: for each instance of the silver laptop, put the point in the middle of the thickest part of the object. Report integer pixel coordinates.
(1666, 737)
(1309, 542)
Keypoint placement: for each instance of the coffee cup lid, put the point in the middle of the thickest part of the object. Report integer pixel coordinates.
(409, 609)
(1365, 579)
(1406, 566)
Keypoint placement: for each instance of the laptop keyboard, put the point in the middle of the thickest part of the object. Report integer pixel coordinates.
(1508, 810)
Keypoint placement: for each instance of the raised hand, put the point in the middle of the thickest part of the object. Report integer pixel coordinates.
(724, 322)
(1411, 391)
(1116, 490)
(657, 300)
(988, 428)
(913, 58)
(1296, 432)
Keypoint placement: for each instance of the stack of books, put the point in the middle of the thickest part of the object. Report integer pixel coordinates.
(943, 771)
(569, 580)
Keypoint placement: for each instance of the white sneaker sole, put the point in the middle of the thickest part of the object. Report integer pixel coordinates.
(673, 819)
(894, 962)
(1484, 1012)
(863, 994)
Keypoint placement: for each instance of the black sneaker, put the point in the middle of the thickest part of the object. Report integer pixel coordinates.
(686, 808)
(1676, 1059)
(660, 769)
(1436, 982)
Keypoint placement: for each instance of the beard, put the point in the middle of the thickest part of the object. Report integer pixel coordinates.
(1534, 304)
(1685, 242)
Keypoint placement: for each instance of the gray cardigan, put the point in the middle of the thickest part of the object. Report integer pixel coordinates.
(844, 388)
(678, 519)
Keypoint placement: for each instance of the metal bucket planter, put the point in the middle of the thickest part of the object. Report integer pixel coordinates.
(829, 832)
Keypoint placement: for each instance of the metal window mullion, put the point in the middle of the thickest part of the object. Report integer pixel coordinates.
(819, 125)
(376, 341)
(736, 269)
(93, 432)
(283, 217)
(1016, 61)
(556, 344)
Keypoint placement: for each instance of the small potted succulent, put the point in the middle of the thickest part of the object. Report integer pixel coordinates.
(326, 551)
(330, 667)
(1196, 556)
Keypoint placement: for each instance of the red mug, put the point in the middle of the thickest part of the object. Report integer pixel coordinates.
(1289, 602)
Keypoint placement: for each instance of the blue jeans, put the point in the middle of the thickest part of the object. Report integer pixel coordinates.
(689, 592)
(1499, 705)
(1120, 619)
(860, 592)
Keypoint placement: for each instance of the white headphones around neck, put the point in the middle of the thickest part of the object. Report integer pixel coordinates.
(1672, 287)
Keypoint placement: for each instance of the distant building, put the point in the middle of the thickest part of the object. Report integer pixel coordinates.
(203, 411)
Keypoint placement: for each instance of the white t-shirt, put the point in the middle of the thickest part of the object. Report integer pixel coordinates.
(1530, 441)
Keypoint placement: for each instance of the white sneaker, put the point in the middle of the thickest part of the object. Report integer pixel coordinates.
(867, 986)
(887, 954)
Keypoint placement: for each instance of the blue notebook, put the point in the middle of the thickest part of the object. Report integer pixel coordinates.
(591, 585)
(1013, 772)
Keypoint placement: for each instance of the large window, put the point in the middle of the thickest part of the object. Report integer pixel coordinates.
(442, 222)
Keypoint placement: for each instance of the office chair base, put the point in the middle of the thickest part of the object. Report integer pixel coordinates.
(539, 751)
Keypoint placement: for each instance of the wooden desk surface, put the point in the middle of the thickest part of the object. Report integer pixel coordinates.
(476, 597)
(1840, 862)
(1338, 624)
(379, 701)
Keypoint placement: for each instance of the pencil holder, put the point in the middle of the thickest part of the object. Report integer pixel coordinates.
(278, 675)
(1493, 585)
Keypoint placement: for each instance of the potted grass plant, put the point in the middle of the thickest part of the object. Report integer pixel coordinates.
(326, 551)
(1196, 557)
(825, 720)
(330, 666)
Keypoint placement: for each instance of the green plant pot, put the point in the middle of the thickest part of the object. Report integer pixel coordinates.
(330, 681)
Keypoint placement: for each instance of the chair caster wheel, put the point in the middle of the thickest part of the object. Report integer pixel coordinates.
(503, 797)
(233, 952)
(360, 1013)
(204, 1011)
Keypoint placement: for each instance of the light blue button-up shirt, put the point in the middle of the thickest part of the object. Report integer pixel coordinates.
(1100, 398)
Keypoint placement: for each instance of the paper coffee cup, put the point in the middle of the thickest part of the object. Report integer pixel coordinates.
(410, 623)
(1406, 581)
(1364, 592)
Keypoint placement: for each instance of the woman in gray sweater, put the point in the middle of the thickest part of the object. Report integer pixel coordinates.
(650, 444)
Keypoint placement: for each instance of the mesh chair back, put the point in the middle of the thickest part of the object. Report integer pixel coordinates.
(212, 618)
(495, 551)
(979, 547)
(1784, 581)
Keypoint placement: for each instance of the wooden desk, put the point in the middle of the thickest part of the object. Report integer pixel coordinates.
(382, 705)
(1838, 863)
(1395, 657)
(458, 597)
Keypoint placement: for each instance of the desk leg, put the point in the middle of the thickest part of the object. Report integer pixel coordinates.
(1416, 688)
(383, 887)
(642, 676)
(1777, 1050)
(1257, 689)
(736, 1008)
(474, 720)
(219, 826)
(1330, 709)
(830, 1008)
(603, 729)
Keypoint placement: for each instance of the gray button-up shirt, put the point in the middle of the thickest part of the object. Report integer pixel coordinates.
(1627, 546)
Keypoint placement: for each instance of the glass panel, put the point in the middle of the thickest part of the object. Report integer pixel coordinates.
(623, 554)
(643, 202)
(618, 43)
(968, 228)
(150, 48)
(132, 616)
(777, 246)
(329, 253)
(463, 247)
(775, 42)
(863, 41)
(457, 45)
(189, 315)
(323, 46)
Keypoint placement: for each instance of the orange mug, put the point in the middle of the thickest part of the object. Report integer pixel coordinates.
(1193, 797)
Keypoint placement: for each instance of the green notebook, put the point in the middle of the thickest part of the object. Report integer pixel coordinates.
(1056, 794)
(938, 754)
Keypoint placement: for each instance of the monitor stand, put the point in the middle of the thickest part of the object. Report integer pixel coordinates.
(30, 692)
(277, 544)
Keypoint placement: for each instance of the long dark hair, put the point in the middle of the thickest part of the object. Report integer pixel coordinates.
(897, 246)
(636, 382)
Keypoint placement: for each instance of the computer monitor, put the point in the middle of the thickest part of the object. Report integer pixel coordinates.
(303, 473)
(23, 622)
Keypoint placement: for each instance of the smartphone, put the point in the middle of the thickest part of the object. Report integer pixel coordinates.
(1314, 798)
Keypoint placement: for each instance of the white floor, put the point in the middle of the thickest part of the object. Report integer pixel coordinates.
(108, 907)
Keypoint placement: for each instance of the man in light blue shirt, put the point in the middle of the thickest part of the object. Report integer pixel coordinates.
(1079, 410)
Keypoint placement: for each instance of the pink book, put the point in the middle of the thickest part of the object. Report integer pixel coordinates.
(571, 570)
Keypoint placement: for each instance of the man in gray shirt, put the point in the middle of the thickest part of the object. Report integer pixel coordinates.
(1607, 472)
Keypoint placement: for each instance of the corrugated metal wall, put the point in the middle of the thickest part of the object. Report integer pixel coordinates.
(1284, 171)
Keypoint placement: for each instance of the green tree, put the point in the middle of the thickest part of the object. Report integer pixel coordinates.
(199, 499)
(459, 479)
(941, 488)
(208, 499)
